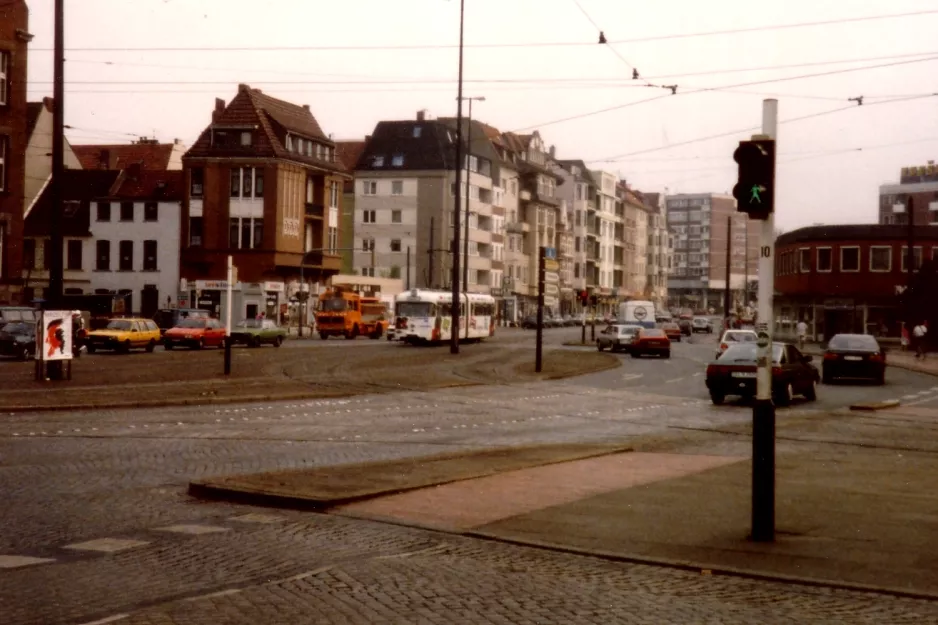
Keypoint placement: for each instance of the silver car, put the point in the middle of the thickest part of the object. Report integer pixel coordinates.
(617, 337)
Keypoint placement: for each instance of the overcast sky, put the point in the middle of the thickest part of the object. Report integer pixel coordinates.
(824, 176)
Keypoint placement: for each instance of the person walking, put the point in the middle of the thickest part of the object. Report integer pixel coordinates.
(918, 337)
(802, 330)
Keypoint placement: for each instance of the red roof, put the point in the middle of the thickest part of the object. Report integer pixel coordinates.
(151, 156)
(349, 152)
(132, 184)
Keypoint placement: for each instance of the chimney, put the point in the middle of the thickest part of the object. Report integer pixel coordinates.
(104, 159)
(242, 88)
(306, 107)
(552, 151)
(421, 115)
(49, 104)
(219, 109)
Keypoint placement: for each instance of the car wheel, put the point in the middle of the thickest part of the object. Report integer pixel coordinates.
(168, 346)
(784, 395)
(323, 336)
(126, 347)
(256, 341)
(278, 341)
(90, 348)
(717, 398)
(667, 354)
(811, 393)
(150, 346)
(199, 345)
(636, 354)
(599, 346)
(881, 379)
(24, 353)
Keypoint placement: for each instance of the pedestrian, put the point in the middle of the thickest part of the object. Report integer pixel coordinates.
(802, 329)
(918, 338)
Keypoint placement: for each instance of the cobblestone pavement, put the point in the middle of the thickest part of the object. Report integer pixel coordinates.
(96, 522)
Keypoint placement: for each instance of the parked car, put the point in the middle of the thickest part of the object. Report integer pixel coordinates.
(10, 314)
(854, 356)
(18, 339)
(673, 331)
(256, 332)
(650, 341)
(529, 322)
(617, 337)
(123, 335)
(735, 336)
(195, 333)
(167, 318)
(734, 373)
(702, 324)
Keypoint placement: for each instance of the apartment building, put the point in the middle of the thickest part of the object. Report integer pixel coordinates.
(14, 136)
(578, 190)
(348, 152)
(264, 185)
(699, 223)
(602, 229)
(658, 251)
(631, 247)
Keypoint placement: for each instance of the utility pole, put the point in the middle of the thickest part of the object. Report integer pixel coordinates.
(56, 243)
(301, 304)
(465, 271)
(407, 279)
(432, 253)
(729, 259)
(541, 269)
(910, 262)
(454, 308)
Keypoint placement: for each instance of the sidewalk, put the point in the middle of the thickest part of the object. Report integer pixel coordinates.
(856, 503)
(895, 357)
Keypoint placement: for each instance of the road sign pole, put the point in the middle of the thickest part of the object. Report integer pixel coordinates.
(538, 350)
(763, 411)
(228, 305)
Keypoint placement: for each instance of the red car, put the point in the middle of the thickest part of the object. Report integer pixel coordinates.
(648, 341)
(195, 334)
(673, 331)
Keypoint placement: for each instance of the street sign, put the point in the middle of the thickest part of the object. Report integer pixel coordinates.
(551, 289)
(762, 339)
(551, 265)
(550, 252)
(551, 277)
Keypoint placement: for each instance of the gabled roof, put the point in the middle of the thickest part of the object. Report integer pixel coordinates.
(433, 149)
(160, 186)
(585, 174)
(78, 185)
(271, 119)
(349, 152)
(149, 155)
(33, 111)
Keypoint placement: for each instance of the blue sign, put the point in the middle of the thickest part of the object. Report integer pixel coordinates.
(550, 252)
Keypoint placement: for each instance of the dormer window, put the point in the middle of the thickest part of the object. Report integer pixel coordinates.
(417, 130)
(377, 161)
(247, 138)
(289, 144)
(309, 148)
(397, 160)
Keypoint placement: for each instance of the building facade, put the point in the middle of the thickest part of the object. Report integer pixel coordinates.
(263, 185)
(846, 278)
(918, 183)
(578, 190)
(658, 256)
(701, 224)
(348, 153)
(39, 150)
(14, 137)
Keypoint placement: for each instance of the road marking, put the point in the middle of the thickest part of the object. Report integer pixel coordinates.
(15, 562)
(632, 376)
(110, 619)
(698, 374)
(107, 545)
(674, 380)
(214, 595)
(909, 396)
(195, 530)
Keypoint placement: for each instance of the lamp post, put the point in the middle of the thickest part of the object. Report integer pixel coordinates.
(465, 249)
(454, 330)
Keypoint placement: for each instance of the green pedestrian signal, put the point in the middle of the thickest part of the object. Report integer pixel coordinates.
(755, 189)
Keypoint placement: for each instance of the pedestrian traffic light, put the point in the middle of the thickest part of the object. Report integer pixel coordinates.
(755, 189)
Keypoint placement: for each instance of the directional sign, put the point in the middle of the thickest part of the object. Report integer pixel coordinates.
(762, 339)
(551, 289)
(551, 277)
(551, 265)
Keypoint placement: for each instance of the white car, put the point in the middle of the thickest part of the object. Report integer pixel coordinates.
(702, 324)
(735, 336)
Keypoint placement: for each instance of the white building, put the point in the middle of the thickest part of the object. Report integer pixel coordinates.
(607, 220)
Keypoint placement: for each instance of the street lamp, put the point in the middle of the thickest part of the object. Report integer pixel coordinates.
(465, 269)
(454, 308)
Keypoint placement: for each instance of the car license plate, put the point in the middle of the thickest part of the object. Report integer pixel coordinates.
(853, 357)
(744, 374)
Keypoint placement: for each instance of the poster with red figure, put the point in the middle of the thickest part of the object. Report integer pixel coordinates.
(56, 335)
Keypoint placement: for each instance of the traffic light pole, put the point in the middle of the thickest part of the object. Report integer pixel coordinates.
(541, 270)
(763, 411)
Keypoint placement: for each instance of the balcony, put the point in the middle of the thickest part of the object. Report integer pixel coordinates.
(517, 227)
(315, 210)
(331, 262)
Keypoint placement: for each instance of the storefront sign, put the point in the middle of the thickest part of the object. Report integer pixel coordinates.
(215, 285)
(273, 286)
(56, 335)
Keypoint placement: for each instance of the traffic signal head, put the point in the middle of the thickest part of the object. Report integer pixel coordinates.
(755, 189)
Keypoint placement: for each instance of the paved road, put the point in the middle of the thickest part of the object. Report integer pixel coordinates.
(78, 486)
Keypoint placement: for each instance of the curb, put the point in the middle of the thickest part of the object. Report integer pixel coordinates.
(874, 406)
(205, 489)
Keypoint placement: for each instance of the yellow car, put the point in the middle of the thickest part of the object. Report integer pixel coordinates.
(124, 335)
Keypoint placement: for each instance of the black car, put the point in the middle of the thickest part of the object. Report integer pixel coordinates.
(18, 339)
(734, 373)
(687, 327)
(854, 356)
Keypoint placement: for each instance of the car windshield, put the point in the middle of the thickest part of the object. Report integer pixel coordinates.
(334, 304)
(747, 352)
(192, 323)
(249, 323)
(413, 309)
(119, 324)
(19, 327)
(739, 337)
(854, 342)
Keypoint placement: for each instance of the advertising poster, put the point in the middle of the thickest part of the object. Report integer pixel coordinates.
(56, 333)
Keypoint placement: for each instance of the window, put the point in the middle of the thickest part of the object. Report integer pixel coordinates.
(417, 130)
(247, 182)
(850, 259)
(195, 232)
(246, 138)
(369, 187)
(333, 194)
(395, 245)
(368, 271)
(4, 76)
(245, 233)
(149, 255)
(917, 252)
(258, 225)
(310, 190)
(126, 256)
(127, 211)
(4, 142)
(824, 259)
(377, 161)
(104, 211)
(258, 182)
(368, 245)
(881, 258)
(395, 216)
(73, 255)
(368, 217)
(333, 239)
(397, 160)
(397, 187)
(196, 181)
(102, 256)
(29, 253)
(151, 211)
(804, 260)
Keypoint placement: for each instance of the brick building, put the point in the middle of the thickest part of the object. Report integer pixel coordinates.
(264, 185)
(845, 278)
(14, 137)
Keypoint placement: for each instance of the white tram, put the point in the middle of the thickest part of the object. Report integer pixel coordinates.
(425, 316)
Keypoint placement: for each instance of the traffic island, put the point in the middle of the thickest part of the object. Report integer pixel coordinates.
(876, 405)
(326, 487)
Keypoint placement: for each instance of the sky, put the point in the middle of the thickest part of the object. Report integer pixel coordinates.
(154, 67)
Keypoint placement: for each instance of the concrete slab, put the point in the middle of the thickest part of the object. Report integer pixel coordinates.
(194, 530)
(16, 562)
(107, 545)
